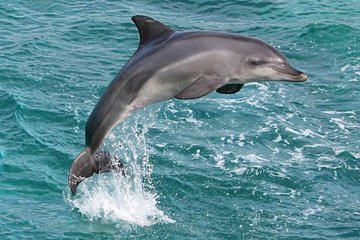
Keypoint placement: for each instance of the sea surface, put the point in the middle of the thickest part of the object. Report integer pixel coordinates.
(273, 161)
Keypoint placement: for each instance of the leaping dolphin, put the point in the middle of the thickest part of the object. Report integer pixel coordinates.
(183, 65)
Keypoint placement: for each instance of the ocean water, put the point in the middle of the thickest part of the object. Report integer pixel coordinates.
(274, 161)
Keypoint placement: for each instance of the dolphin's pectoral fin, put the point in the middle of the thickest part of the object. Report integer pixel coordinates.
(201, 87)
(85, 165)
(230, 88)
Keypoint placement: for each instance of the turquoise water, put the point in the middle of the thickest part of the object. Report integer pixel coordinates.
(274, 161)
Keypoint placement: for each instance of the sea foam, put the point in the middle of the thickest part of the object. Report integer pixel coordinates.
(123, 198)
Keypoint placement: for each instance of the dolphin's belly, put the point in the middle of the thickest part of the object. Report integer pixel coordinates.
(158, 89)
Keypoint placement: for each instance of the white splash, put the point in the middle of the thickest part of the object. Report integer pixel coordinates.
(343, 69)
(118, 198)
(115, 198)
(220, 161)
(312, 211)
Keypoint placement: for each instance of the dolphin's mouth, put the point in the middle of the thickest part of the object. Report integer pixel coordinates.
(294, 75)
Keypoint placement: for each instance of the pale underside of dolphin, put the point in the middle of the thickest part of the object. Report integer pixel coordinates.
(170, 64)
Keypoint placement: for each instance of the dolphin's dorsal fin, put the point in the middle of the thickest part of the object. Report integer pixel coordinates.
(149, 29)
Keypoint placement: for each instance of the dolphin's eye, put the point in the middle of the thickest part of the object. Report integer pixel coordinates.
(256, 62)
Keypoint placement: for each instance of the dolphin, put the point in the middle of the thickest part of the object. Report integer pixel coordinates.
(171, 64)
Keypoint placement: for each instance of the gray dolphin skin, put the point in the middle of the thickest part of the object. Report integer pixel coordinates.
(170, 64)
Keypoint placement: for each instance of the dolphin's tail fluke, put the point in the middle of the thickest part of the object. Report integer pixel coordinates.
(85, 165)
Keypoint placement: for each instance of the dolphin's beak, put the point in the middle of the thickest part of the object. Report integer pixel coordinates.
(291, 74)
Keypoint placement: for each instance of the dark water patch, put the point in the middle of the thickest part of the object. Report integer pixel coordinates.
(228, 9)
(349, 157)
(29, 186)
(10, 132)
(85, 32)
(39, 125)
(33, 170)
(328, 37)
(10, 168)
(11, 13)
(23, 154)
(348, 176)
